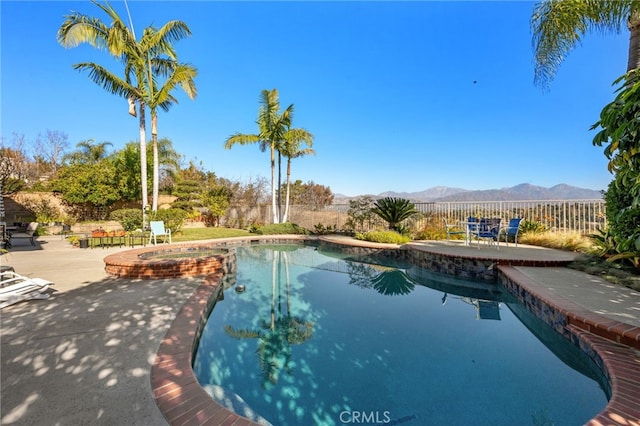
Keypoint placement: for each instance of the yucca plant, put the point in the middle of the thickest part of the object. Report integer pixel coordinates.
(394, 210)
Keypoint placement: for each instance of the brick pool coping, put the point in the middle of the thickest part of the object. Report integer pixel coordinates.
(183, 401)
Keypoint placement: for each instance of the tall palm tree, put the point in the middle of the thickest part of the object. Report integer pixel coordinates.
(181, 75)
(272, 126)
(291, 148)
(559, 25)
(142, 61)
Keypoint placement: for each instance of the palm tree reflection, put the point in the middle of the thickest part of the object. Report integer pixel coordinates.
(276, 336)
(385, 280)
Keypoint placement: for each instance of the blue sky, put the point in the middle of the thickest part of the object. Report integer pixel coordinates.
(400, 96)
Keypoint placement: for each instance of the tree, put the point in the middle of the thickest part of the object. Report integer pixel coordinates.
(272, 126)
(177, 75)
(619, 129)
(291, 148)
(394, 210)
(88, 152)
(360, 212)
(88, 185)
(13, 165)
(51, 147)
(559, 25)
(310, 194)
(142, 62)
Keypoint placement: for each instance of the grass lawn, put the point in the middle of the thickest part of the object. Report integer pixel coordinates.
(194, 234)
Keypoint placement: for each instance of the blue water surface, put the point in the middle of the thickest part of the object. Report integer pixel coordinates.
(317, 338)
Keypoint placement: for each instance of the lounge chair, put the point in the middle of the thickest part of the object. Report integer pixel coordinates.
(449, 230)
(158, 230)
(28, 233)
(15, 288)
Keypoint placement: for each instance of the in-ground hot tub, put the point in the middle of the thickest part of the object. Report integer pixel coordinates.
(175, 261)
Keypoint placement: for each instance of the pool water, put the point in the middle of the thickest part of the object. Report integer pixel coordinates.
(318, 338)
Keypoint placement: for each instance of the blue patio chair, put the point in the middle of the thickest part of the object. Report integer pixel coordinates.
(488, 229)
(512, 230)
(449, 229)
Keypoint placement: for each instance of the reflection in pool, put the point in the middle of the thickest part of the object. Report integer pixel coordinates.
(319, 338)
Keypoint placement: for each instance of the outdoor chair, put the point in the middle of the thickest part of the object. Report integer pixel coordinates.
(28, 233)
(449, 230)
(512, 230)
(488, 229)
(158, 230)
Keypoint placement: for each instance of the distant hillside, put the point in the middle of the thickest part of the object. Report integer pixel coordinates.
(524, 191)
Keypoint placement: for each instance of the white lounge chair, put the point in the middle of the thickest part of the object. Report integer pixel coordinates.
(158, 230)
(15, 288)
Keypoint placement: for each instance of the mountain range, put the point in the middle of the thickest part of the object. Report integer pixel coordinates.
(521, 192)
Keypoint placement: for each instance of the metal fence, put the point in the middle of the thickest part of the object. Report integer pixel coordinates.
(583, 216)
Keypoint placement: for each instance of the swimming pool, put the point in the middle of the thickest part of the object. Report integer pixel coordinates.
(319, 339)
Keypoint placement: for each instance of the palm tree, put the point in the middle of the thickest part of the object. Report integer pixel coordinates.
(181, 75)
(88, 152)
(559, 25)
(121, 43)
(142, 61)
(291, 149)
(272, 126)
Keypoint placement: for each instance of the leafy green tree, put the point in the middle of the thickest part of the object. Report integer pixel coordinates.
(127, 164)
(394, 210)
(619, 130)
(559, 25)
(88, 185)
(217, 201)
(272, 126)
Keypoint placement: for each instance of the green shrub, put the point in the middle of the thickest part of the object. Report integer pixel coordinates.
(394, 210)
(389, 237)
(130, 219)
(320, 229)
(530, 226)
(172, 218)
(433, 229)
(280, 228)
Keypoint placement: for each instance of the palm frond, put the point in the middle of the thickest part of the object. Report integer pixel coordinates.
(558, 26)
(240, 139)
(107, 80)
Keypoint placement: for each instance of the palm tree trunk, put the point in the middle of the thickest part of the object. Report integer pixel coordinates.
(273, 186)
(634, 41)
(286, 208)
(280, 188)
(143, 163)
(156, 165)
